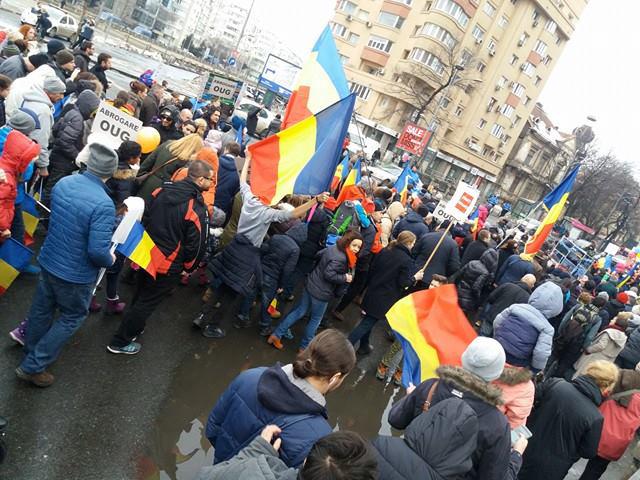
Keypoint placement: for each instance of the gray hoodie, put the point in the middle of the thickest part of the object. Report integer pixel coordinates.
(37, 100)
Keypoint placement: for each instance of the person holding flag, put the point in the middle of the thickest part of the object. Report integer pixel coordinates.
(77, 245)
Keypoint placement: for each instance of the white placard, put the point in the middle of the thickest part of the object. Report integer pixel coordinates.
(223, 87)
(463, 201)
(612, 249)
(441, 211)
(114, 123)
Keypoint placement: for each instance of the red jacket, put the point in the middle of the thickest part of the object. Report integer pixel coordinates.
(19, 151)
(620, 425)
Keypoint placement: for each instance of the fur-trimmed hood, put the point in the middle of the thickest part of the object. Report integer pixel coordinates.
(468, 382)
(515, 375)
(125, 174)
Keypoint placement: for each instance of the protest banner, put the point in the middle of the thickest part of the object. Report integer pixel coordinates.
(116, 124)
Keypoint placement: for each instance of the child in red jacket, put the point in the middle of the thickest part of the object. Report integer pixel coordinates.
(19, 151)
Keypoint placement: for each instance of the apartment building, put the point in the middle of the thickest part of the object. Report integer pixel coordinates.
(486, 61)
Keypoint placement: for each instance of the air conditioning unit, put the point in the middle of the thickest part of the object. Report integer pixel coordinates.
(473, 146)
(535, 23)
(478, 41)
(511, 84)
(381, 71)
(498, 108)
(492, 53)
(497, 88)
(369, 24)
(520, 43)
(349, 18)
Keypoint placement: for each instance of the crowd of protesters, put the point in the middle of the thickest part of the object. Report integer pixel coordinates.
(557, 354)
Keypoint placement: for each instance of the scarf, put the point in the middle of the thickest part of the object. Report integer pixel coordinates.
(351, 258)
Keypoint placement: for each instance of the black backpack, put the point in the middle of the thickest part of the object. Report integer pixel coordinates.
(576, 328)
(345, 218)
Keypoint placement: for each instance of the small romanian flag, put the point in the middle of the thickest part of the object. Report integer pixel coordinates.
(402, 184)
(272, 309)
(139, 248)
(31, 217)
(433, 331)
(13, 258)
(355, 175)
(302, 158)
(340, 173)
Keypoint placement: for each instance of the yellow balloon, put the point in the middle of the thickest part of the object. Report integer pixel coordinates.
(148, 138)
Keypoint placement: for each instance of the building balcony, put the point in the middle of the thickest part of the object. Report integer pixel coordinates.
(374, 56)
(397, 8)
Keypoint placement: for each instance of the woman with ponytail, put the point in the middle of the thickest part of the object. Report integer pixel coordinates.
(389, 278)
(292, 397)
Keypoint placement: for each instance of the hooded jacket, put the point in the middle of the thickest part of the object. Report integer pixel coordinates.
(122, 184)
(503, 297)
(82, 60)
(171, 133)
(68, 132)
(473, 252)
(518, 392)
(606, 346)
(18, 152)
(178, 224)
(513, 269)
(413, 223)
(280, 255)
(491, 458)
(263, 396)
(394, 211)
(81, 224)
(238, 266)
(475, 279)
(316, 234)
(524, 330)
(22, 85)
(37, 100)
(328, 278)
(446, 260)
(566, 425)
(14, 67)
(228, 183)
(437, 444)
(621, 420)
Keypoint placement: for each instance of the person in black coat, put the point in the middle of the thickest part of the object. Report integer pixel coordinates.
(103, 63)
(252, 120)
(151, 106)
(228, 179)
(566, 423)
(474, 280)
(475, 249)
(122, 184)
(82, 56)
(389, 278)
(437, 444)
(503, 297)
(414, 222)
(446, 260)
(167, 124)
(513, 269)
(505, 251)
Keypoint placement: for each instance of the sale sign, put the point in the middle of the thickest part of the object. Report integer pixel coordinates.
(413, 138)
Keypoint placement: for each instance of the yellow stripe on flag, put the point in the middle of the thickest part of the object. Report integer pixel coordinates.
(142, 253)
(30, 222)
(7, 275)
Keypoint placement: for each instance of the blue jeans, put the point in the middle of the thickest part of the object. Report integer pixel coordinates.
(362, 331)
(46, 337)
(318, 307)
(244, 303)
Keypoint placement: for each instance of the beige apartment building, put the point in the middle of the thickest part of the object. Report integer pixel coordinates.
(489, 59)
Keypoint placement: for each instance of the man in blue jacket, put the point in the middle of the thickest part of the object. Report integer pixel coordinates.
(76, 247)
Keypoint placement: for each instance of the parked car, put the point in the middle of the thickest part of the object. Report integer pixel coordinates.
(144, 31)
(264, 117)
(62, 24)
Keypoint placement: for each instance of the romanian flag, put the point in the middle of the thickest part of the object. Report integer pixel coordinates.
(13, 258)
(355, 174)
(340, 173)
(433, 331)
(302, 158)
(139, 248)
(554, 203)
(402, 184)
(475, 218)
(321, 82)
(31, 217)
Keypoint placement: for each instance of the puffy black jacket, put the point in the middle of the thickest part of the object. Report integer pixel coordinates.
(412, 222)
(228, 184)
(329, 274)
(68, 131)
(122, 184)
(316, 235)
(280, 256)
(631, 350)
(172, 132)
(437, 444)
(504, 296)
(566, 425)
(445, 262)
(238, 266)
(178, 224)
(475, 279)
(513, 269)
(473, 252)
(81, 60)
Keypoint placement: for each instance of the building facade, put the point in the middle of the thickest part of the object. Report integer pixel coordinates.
(471, 70)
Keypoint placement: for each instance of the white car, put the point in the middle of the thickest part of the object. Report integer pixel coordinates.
(62, 24)
(264, 117)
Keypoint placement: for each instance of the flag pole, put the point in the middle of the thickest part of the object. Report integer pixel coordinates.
(364, 158)
(446, 232)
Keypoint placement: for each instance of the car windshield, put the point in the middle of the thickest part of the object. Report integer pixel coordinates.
(54, 15)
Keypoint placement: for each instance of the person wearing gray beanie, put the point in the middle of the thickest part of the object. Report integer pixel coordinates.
(103, 161)
(54, 85)
(604, 295)
(22, 122)
(485, 358)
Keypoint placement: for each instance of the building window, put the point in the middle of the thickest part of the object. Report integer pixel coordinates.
(466, 57)
(353, 38)
(528, 69)
(384, 101)
(343, 59)
(492, 101)
(491, 46)
(360, 90)
(437, 32)
(540, 48)
(453, 9)
(547, 60)
(507, 110)
(506, 139)
(487, 151)
(444, 102)
(551, 26)
(503, 22)
(481, 67)
(516, 121)
(363, 15)
(497, 130)
(459, 111)
(536, 15)
(526, 100)
(390, 19)
(538, 80)
(347, 7)
(489, 9)
(502, 81)
(379, 43)
(406, 2)
(517, 89)
(523, 39)
(513, 60)
(482, 123)
(478, 33)
(338, 30)
(428, 59)
(531, 155)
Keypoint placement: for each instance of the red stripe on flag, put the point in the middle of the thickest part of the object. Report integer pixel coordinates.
(297, 109)
(535, 244)
(265, 178)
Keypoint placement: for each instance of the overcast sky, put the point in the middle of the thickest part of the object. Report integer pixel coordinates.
(597, 73)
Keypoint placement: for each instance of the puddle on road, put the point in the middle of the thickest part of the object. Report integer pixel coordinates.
(177, 448)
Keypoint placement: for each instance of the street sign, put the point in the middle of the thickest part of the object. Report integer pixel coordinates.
(231, 62)
(461, 204)
(278, 75)
(413, 138)
(116, 124)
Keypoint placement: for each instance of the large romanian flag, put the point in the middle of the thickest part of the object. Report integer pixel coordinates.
(302, 158)
(30, 217)
(554, 204)
(321, 82)
(433, 331)
(140, 249)
(402, 184)
(13, 258)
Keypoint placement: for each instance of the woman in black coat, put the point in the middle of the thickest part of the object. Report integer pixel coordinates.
(504, 252)
(474, 280)
(389, 278)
